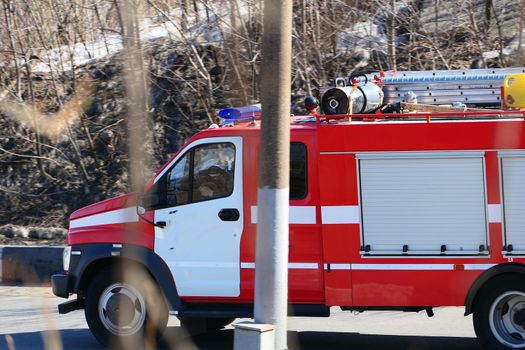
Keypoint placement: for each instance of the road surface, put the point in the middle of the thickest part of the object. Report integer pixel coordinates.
(28, 319)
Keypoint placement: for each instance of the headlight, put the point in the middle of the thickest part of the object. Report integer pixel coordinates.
(66, 258)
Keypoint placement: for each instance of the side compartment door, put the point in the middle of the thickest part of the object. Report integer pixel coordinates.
(513, 177)
(203, 218)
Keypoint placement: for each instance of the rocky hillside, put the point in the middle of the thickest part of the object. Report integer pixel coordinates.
(87, 160)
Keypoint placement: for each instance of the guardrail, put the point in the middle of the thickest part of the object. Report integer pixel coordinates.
(29, 264)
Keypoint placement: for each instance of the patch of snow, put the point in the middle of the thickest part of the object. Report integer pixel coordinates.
(507, 50)
(361, 35)
(64, 57)
(495, 53)
(207, 30)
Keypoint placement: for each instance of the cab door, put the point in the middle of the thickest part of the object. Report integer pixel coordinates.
(203, 218)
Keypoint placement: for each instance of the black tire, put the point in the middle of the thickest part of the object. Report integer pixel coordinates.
(125, 313)
(499, 313)
(199, 325)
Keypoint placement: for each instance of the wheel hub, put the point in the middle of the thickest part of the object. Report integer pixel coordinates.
(120, 309)
(519, 317)
(507, 319)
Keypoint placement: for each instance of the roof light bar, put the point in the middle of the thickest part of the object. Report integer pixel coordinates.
(241, 113)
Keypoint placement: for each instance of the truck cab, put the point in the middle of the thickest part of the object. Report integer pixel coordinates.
(192, 234)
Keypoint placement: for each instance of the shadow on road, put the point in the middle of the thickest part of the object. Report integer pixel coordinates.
(357, 341)
(81, 339)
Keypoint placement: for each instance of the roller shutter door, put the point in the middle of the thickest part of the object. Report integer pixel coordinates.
(513, 172)
(423, 201)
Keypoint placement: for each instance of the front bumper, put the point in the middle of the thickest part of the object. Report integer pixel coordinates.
(61, 284)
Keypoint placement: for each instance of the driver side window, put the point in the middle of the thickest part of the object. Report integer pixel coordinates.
(205, 172)
(178, 186)
(213, 171)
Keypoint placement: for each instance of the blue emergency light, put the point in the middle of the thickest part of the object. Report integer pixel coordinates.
(241, 113)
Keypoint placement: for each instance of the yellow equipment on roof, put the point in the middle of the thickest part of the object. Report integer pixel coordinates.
(514, 91)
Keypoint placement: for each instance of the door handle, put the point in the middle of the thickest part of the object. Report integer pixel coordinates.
(160, 224)
(229, 214)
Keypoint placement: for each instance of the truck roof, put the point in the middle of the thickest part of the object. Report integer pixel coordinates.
(313, 121)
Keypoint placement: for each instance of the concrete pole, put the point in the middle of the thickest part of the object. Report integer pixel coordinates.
(139, 137)
(271, 274)
(136, 96)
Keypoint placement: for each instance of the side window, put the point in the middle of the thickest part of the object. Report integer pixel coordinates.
(213, 171)
(178, 184)
(298, 171)
(203, 173)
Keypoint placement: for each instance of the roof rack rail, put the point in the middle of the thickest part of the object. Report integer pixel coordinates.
(428, 117)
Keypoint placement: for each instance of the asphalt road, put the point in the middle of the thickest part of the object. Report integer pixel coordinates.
(29, 321)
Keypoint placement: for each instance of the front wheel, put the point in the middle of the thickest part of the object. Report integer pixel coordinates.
(499, 314)
(125, 312)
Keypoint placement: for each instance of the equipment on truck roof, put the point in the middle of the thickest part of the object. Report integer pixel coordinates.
(359, 97)
(393, 92)
(422, 89)
(513, 91)
(474, 87)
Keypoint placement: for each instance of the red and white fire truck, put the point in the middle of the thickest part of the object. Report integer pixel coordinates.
(388, 211)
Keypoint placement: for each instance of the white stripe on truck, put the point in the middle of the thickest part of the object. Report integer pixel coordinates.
(118, 216)
(340, 214)
(297, 215)
(494, 213)
(333, 214)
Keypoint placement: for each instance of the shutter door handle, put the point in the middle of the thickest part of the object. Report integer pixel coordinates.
(229, 214)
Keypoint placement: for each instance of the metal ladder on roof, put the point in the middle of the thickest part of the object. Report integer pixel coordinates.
(473, 87)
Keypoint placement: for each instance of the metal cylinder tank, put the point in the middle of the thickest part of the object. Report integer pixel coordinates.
(360, 99)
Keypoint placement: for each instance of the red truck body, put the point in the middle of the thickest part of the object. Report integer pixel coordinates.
(398, 213)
